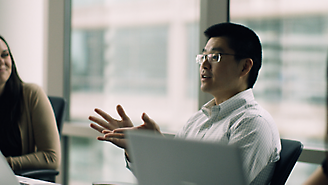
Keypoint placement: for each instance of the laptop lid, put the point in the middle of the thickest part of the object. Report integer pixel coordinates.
(160, 160)
(7, 176)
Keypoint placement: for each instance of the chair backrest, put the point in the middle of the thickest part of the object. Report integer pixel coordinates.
(58, 105)
(290, 152)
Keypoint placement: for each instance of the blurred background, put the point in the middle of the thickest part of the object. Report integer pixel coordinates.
(141, 54)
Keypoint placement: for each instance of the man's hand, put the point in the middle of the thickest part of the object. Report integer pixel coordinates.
(117, 136)
(148, 124)
(108, 124)
(113, 129)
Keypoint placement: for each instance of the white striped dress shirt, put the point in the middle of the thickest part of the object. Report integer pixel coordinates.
(240, 121)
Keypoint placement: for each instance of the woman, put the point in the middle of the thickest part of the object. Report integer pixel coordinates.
(29, 137)
(320, 175)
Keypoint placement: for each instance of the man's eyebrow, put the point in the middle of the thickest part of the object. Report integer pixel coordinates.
(214, 49)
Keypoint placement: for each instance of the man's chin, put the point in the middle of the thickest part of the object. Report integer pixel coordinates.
(204, 89)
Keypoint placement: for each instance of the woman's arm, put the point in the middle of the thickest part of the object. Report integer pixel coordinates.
(43, 150)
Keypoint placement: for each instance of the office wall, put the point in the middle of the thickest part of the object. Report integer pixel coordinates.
(34, 30)
(22, 25)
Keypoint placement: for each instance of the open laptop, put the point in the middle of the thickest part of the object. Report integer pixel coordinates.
(7, 176)
(160, 160)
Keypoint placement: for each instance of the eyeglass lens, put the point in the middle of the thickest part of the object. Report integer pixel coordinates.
(210, 57)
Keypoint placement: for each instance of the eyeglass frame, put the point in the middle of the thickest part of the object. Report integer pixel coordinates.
(203, 57)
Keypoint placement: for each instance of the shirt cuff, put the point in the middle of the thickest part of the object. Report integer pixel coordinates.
(128, 163)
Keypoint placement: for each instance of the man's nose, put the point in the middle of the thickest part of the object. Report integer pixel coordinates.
(206, 64)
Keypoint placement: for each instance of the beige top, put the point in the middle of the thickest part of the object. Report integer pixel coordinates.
(39, 133)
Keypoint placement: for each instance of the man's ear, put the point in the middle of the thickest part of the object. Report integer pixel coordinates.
(246, 67)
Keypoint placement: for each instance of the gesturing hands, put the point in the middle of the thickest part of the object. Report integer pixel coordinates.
(113, 129)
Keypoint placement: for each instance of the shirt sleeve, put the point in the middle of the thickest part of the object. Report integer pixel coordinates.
(128, 164)
(255, 139)
(46, 152)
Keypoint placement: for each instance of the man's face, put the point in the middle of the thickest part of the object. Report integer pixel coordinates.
(220, 78)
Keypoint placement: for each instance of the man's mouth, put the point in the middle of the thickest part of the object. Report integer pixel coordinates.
(205, 76)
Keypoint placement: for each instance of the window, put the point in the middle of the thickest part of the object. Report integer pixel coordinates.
(140, 54)
(291, 85)
(87, 60)
(292, 82)
(138, 63)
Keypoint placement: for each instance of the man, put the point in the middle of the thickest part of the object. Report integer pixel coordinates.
(229, 68)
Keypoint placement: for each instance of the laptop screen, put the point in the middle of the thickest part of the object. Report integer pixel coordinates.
(159, 160)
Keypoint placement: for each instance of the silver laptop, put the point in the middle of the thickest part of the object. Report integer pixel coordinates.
(159, 160)
(7, 176)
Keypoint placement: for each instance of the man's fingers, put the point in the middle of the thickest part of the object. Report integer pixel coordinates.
(118, 140)
(103, 114)
(148, 122)
(145, 117)
(122, 130)
(115, 135)
(111, 136)
(106, 131)
(102, 138)
(96, 127)
(121, 112)
(101, 122)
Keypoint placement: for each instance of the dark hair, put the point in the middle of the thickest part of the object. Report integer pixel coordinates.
(11, 98)
(243, 41)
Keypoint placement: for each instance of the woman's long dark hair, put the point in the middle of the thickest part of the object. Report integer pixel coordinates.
(11, 98)
(11, 101)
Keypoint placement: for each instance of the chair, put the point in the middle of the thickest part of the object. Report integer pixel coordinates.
(58, 105)
(290, 152)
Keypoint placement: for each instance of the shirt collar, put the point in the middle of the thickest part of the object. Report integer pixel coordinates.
(229, 105)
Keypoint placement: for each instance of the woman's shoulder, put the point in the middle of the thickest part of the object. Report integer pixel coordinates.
(31, 89)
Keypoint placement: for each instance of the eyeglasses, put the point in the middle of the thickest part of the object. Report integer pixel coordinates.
(215, 57)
